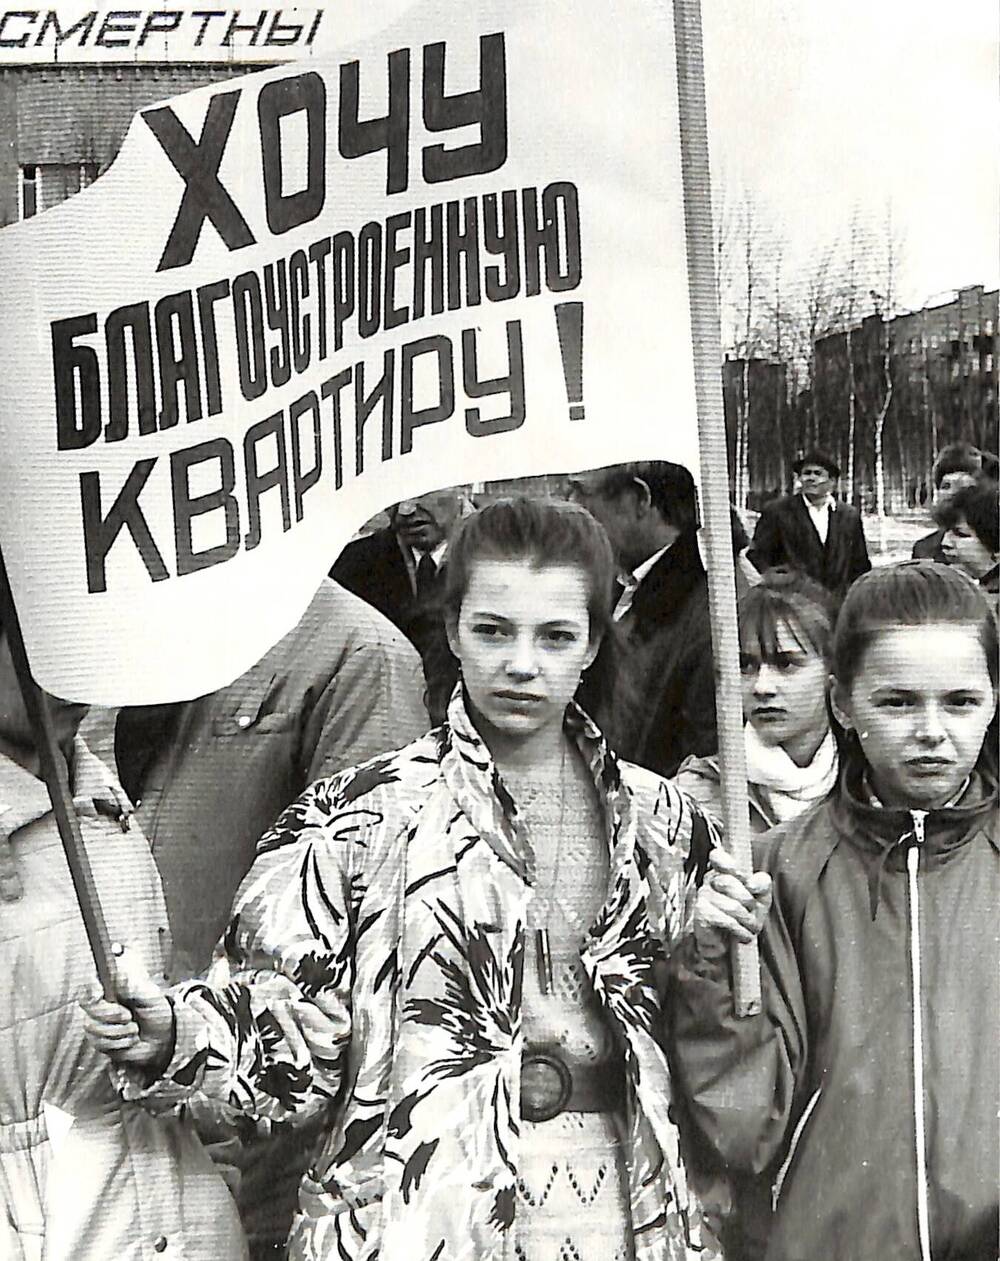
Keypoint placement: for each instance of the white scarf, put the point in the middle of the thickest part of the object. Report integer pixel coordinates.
(789, 789)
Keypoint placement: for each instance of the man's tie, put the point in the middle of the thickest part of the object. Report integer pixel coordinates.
(426, 577)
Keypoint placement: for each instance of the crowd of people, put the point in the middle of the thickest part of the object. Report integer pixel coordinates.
(423, 926)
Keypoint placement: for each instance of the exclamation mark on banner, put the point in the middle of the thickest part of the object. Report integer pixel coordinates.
(569, 325)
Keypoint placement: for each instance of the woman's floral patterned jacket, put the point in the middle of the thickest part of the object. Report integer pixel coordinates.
(374, 960)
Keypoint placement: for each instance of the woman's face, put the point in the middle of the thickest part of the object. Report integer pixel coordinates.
(920, 703)
(784, 693)
(963, 548)
(523, 638)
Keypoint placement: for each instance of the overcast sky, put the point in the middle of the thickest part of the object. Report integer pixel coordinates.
(820, 106)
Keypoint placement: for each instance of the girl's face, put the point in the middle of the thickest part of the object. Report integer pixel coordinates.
(784, 694)
(963, 548)
(920, 703)
(523, 638)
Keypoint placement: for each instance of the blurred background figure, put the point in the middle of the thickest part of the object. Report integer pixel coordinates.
(957, 465)
(813, 531)
(968, 521)
(398, 569)
(83, 1176)
(650, 513)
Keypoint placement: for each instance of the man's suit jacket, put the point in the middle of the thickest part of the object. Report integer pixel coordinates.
(785, 535)
(373, 568)
(929, 547)
(668, 650)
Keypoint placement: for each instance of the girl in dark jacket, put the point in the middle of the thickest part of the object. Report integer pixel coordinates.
(867, 1089)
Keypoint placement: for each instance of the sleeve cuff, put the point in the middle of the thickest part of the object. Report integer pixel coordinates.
(183, 1074)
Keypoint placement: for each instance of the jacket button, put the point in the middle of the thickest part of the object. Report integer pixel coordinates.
(244, 721)
(160, 1243)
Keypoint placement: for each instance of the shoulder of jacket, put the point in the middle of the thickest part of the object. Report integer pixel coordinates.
(656, 797)
(416, 764)
(797, 852)
(383, 793)
(700, 769)
(640, 781)
(336, 624)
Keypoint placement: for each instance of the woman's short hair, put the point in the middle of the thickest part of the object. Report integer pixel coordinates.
(979, 505)
(786, 597)
(957, 457)
(911, 593)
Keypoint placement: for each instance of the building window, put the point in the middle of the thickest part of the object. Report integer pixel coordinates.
(29, 191)
(45, 184)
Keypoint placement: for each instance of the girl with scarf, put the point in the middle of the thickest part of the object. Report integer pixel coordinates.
(867, 1089)
(460, 945)
(786, 628)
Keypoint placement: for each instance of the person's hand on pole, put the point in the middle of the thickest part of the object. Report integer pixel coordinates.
(730, 902)
(139, 1029)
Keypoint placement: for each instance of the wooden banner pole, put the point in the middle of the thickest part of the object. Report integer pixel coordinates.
(707, 340)
(56, 775)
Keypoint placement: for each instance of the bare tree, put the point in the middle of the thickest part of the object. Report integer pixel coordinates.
(852, 393)
(742, 248)
(780, 398)
(819, 313)
(884, 300)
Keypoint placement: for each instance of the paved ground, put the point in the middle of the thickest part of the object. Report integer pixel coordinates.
(893, 538)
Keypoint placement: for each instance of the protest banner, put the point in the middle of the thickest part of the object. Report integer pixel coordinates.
(454, 251)
(81, 32)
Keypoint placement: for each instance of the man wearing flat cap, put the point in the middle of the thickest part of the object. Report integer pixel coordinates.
(813, 531)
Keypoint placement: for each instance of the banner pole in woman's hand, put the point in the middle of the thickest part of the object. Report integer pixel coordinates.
(56, 775)
(707, 340)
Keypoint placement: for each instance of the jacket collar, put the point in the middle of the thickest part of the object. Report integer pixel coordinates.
(829, 502)
(478, 788)
(883, 834)
(708, 768)
(665, 588)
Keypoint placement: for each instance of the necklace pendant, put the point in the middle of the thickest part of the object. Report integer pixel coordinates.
(543, 960)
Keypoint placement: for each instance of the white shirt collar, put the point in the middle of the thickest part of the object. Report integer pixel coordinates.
(630, 583)
(826, 505)
(642, 570)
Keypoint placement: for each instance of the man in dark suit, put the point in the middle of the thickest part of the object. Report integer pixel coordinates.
(650, 513)
(398, 570)
(813, 531)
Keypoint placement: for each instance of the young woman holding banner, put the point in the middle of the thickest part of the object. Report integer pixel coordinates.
(460, 944)
(867, 1089)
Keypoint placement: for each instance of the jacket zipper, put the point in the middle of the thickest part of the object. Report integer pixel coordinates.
(803, 1121)
(912, 868)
